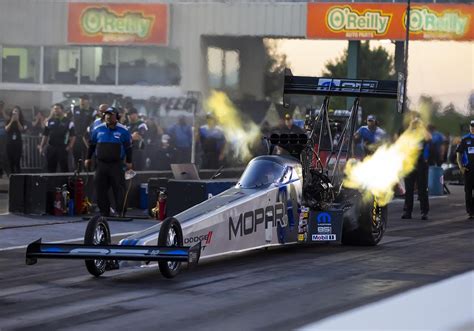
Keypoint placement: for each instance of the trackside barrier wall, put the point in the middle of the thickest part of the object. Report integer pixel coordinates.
(34, 193)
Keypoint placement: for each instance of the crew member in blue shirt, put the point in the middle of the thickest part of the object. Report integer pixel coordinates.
(465, 159)
(112, 144)
(369, 136)
(418, 176)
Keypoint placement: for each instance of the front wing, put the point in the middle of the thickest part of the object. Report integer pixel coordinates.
(37, 250)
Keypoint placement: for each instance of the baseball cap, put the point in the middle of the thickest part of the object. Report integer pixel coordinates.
(472, 122)
(84, 97)
(371, 118)
(210, 115)
(132, 110)
(111, 110)
(288, 116)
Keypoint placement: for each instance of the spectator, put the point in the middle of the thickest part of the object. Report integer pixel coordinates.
(213, 143)
(181, 138)
(59, 136)
(368, 137)
(418, 176)
(37, 126)
(82, 117)
(138, 129)
(15, 127)
(3, 140)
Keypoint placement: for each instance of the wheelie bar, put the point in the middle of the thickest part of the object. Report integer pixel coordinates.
(37, 250)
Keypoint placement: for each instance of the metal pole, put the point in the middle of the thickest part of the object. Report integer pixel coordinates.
(407, 39)
(193, 132)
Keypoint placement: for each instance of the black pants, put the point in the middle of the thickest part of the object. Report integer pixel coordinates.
(14, 151)
(419, 176)
(57, 155)
(468, 186)
(110, 175)
(79, 151)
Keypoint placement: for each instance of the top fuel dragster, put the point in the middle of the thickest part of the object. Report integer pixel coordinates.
(293, 197)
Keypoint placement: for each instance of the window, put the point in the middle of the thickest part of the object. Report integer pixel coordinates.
(98, 65)
(149, 66)
(223, 66)
(261, 173)
(61, 65)
(20, 64)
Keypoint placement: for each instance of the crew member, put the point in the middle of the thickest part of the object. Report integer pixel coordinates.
(213, 143)
(368, 137)
(418, 176)
(99, 118)
(111, 143)
(82, 116)
(465, 160)
(138, 129)
(289, 127)
(59, 136)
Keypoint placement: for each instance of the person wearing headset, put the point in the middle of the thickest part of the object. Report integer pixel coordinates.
(112, 144)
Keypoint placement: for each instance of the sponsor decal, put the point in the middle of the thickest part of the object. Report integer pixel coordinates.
(324, 229)
(323, 237)
(251, 221)
(205, 239)
(325, 84)
(347, 19)
(301, 237)
(323, 217)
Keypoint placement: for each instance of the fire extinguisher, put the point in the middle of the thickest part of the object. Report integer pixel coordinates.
(79, 194)
(57, 204)
(160, 209)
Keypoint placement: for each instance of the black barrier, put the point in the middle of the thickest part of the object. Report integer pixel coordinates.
(34, 193)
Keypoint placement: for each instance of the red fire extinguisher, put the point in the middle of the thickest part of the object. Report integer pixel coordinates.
(79, 194)
(57, 204)
(161, 205)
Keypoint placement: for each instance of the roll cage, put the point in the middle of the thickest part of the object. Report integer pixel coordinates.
(323, 148)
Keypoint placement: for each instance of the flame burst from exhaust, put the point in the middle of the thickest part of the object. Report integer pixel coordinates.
(377, 174)
(240, 134)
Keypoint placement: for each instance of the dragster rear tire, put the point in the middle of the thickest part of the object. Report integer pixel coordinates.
(170, 235)
(97, 233)
(370, 224)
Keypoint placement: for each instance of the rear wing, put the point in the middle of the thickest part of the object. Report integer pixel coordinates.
(340, 87)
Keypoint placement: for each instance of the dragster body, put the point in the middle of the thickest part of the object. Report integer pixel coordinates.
(296, 196)
(261, 210)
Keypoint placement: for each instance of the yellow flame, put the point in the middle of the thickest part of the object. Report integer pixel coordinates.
(239, 133)
(377, 174)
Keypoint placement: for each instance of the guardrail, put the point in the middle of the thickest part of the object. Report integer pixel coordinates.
(31, 158)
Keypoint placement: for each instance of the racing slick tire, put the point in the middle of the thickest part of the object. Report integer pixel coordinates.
(370, 223)
(97, 233)
(170, 235)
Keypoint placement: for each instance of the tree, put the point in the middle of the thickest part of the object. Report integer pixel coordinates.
(373, 64)
(274, 72)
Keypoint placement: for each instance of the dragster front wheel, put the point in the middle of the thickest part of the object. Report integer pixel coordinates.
(170, 235)
(97, 233)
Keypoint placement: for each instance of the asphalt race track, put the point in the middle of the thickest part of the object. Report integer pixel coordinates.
(276, 289)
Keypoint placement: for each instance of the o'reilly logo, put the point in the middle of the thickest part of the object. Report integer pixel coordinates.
(425, 20)
(101, 20)
(344, 18)
(251, 221)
